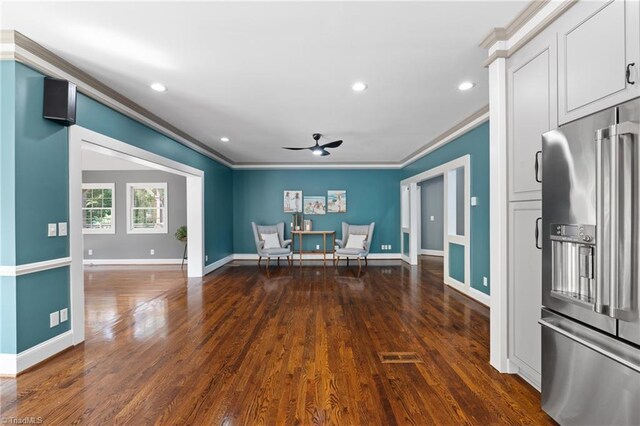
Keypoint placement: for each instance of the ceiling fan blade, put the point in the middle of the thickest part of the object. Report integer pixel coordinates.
(324, 152)
(297, 149)
(333, 144)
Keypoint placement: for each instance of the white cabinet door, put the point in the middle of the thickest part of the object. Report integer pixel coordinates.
(597, 42)
(525, 288)
(532, 110)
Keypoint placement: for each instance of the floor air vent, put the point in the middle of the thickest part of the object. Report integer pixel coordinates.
(399, 357)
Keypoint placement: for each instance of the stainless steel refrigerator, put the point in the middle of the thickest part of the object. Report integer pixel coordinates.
(590, 254)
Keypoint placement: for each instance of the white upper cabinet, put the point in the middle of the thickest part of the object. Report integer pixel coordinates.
(532, 109)
(598, 56)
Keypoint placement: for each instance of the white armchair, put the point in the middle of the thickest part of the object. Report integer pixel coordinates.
(277, 252)
(344, 250)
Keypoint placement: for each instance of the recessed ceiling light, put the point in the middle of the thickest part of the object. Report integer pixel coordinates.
(359, 86)
(224, 139)
(158, 87)
(466, 85)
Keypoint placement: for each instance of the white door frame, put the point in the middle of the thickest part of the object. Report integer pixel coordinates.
(414, 218)
(81, 138)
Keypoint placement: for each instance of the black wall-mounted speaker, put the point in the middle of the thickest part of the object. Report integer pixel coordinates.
(60, 101)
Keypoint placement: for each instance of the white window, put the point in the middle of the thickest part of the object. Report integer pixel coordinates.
(147, 211)
(98, 208)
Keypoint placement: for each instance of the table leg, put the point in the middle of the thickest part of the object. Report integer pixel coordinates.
(300, 249)
(324, 249)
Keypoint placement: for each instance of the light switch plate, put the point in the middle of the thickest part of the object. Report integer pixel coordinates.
(485, 281)
(90, 252)
(62, 229)
(54, 319)
(152, 252)
(52, 230)
(432, 218)
(474, 201)
(64, 314)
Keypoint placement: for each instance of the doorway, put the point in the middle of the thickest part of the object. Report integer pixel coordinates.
(83, 139)
(431, 242)
(456, 229)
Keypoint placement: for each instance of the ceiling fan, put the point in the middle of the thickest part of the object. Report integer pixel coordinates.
(318, 149)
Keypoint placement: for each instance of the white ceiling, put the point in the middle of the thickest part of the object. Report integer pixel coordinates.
(269, 74)
(92, 160)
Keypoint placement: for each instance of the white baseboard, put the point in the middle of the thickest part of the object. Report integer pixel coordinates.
(317, 256)
(217, 264)
(429, 252)
(485, 299)
(11, 365)
(133, 261)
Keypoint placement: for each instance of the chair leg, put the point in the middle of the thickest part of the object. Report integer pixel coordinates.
(336, 259)
(259, 259)
(366, 262)
(359, 265)
(278, 262)
(347, 261)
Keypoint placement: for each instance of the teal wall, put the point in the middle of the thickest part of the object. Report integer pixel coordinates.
(34, 184)
(456, 262)
(42, 173)
(372, 196)
(37, 295)
(476, 144)
(7, 162)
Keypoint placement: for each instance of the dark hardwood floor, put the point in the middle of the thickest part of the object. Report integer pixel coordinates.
(299, 347)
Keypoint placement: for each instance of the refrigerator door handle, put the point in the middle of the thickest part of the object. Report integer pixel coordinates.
(536, 233)
(601, 294)
(616, 246)
(536, 167)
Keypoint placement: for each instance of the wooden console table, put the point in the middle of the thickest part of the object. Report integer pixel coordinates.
(324, 234)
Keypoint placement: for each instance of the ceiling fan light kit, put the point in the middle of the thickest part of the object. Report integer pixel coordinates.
(317, 149)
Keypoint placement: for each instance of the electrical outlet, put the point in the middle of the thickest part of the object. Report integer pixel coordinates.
(62, 229)
(64, 314)
(152, 252)
(432, 218)
(317, 246)
(52, 230)
(54, 319)
(474, 201)
(90, 252)
(485, 281)
(382, 247)
(206, 257)
(389, 247)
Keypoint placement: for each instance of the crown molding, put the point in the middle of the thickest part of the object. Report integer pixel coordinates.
(469, 123)
(505, 33)
(508, 41)
(16, 46)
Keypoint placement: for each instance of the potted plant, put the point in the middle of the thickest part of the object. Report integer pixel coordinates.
(181, 235)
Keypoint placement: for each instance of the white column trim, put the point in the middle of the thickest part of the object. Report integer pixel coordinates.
(499, 211)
